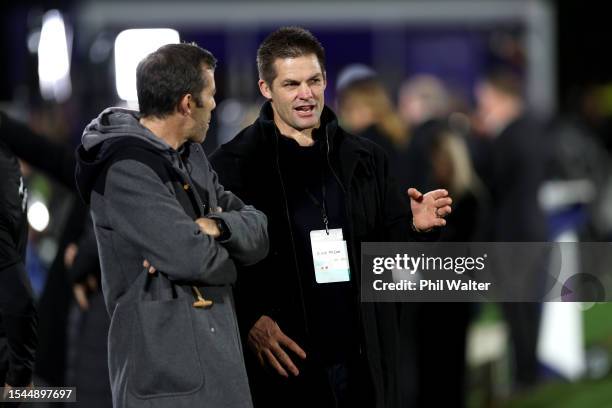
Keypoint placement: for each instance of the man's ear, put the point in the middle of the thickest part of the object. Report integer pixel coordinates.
(184, 105)
(265, 89)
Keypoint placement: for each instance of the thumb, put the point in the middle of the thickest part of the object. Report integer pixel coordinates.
(415, 194)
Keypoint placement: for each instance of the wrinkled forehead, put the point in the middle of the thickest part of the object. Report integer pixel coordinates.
(297, 68)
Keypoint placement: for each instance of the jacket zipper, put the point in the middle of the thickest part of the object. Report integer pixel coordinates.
(347, 208)
(288, 216)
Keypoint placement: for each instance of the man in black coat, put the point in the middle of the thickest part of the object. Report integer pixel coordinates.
(311, 342)
(514, 174)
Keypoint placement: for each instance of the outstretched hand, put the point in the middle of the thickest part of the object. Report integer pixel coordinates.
(429, 209)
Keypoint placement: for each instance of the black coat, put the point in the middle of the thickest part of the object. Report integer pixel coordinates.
(516, 171)
(58, 161)
(17, 314)
(248, 165)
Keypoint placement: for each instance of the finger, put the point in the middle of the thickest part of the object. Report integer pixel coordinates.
(415, 194)
(285, 359)
(260, 359)
(70, 254)
(80, 296)
(292, 345)
(441, 202)
(92, 283)
(439, 222)
(275, 364)
(437, 194)
(147, 265)
(444, 211)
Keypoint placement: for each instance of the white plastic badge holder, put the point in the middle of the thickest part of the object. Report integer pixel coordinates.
(329, 256)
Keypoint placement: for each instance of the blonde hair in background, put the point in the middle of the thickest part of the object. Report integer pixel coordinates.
(454, 148)
(371, 94)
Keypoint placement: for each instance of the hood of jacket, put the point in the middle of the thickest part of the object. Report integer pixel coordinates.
(113, 130)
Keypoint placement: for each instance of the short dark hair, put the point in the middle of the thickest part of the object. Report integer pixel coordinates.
(166, 75)
(287, 42)
(506, 81)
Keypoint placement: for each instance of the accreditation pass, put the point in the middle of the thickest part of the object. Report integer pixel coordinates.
(330, 256)
(37, 394)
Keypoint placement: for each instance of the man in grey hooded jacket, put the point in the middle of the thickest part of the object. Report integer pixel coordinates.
(169, 237)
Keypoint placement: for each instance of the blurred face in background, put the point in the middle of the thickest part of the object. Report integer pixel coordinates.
(487, 101)
(296, 94)
(356, 115)
(495, 109)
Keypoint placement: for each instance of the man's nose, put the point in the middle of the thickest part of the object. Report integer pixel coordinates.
(305, 92)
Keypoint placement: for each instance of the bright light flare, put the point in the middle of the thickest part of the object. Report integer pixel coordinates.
(38, 216)
(131, 46)
(54, 58)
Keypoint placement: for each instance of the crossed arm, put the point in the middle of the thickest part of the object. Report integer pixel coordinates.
(144, 212)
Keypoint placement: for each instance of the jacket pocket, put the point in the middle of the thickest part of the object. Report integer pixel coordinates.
(164, 354)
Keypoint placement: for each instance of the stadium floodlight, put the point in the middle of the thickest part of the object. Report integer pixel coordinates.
(131, 46)
(54, 58)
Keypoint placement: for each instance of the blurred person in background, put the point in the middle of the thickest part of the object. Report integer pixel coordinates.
(169, 238)
(432, 334)
(514, 174)
(423, 104)
(18, 319)
(440, 329)
(72, 340)
(452, 169)
(57, 161)
(365, 109)
(311, 343)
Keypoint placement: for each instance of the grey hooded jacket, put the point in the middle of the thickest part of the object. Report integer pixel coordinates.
(163, 352)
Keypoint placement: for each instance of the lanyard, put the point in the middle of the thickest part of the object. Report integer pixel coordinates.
(322, 206)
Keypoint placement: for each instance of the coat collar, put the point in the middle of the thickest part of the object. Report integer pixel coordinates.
(329, 121)
(349, 148)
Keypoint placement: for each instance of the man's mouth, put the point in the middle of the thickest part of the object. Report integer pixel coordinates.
(305, 110)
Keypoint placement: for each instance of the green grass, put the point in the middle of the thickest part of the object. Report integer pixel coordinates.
(598, 325)
(584, 394)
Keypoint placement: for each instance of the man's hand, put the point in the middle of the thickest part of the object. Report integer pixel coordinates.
(268, 341)
(429, 210)
(81, 290)
(209, 227)
(150, 268)
(70, 254)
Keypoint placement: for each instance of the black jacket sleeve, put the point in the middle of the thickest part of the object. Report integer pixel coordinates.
(18, 321)
(397, 213)
(55, 159)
